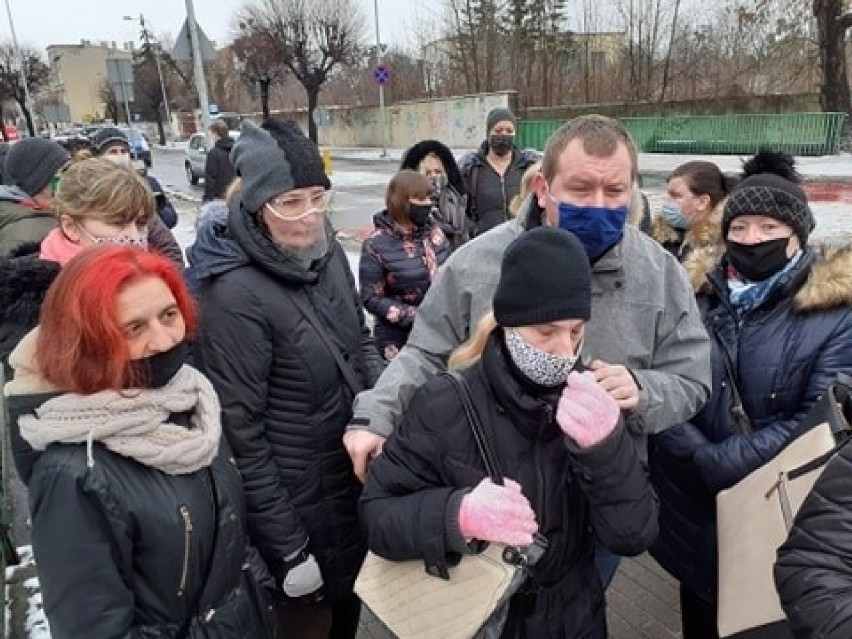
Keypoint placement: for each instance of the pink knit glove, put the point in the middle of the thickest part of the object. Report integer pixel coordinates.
(586, 412)
(500, 514)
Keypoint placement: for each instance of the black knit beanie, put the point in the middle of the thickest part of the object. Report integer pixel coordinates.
(32, 163)
(261, 164)
(498, 114)
(770, 187)
(304, 156)
(544, 277)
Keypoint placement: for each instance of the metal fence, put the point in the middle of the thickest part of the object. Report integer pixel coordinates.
(797, 133)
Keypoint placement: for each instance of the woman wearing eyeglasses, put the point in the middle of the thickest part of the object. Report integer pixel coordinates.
(283, 339)
(95, 202)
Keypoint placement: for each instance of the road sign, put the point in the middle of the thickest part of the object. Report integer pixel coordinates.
(322, 116)
(381, 74)
(213, 109)
(183, 49)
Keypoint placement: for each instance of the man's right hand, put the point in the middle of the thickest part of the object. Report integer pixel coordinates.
(362, 446)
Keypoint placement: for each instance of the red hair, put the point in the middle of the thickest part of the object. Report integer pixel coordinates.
(81, 347)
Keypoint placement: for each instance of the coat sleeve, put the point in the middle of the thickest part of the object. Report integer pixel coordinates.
(813, 573)
(234, 350)
(622, 505)
(165, 209)
(211, 175)
(78, 546)
(160, 239)
(371, 276)
(678, 385)
(404, 504)
(373, 362)
(441, 325)
(724, 464)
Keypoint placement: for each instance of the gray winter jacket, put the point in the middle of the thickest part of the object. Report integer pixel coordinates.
(644, 317)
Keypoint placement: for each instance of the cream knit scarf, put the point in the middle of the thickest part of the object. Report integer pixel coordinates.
(135, 425)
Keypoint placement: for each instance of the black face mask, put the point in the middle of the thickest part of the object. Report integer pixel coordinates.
(157, 371)
(758, 262)
(419, 213)
(501, 144)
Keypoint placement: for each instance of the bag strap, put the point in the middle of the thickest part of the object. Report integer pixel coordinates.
(345, 369)
(741, 419)
(481, 434)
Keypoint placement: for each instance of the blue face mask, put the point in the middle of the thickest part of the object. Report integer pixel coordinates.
(673, 215)
(597, 227)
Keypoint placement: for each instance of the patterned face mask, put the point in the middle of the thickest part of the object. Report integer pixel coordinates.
(122, 240)
(538, 366)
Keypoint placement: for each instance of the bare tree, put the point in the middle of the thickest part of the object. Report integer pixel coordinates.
(36, 73)
(833, 21)
(107, 96)
(312, 38)
(260, 58)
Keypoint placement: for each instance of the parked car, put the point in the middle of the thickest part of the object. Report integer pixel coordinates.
(139, 147)
(12, 132)
(195, 156)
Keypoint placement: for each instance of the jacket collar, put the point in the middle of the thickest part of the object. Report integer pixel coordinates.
(821, 281)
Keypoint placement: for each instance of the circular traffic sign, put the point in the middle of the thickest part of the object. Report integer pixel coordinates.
(381, 74)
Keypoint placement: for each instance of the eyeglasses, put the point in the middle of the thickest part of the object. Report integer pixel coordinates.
(292, 209)
(140, 241)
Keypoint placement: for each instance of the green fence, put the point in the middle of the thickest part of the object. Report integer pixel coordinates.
(797, 133)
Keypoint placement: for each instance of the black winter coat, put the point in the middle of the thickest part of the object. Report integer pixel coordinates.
(814, 569)
(218, 171)
(785, 352)
(285, 403)
(414, 490)
(450, 205)
(165, 209)
(396, 269)
(490, 194)
(125, 550)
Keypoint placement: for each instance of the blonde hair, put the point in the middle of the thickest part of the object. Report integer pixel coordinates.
(526, 188)
(97, 188)
(469, 353)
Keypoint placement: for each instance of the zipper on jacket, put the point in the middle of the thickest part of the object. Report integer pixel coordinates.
(187, 541)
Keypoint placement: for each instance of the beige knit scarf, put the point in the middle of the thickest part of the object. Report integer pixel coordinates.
(135, 425)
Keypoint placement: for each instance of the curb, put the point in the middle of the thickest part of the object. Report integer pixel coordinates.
(173, 193)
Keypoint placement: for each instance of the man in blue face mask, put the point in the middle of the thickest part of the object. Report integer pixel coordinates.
(644, 341)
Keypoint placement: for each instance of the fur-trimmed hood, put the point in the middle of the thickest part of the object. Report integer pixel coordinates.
(828, 284)
(24, 280)
(708, 232)
(414, 155)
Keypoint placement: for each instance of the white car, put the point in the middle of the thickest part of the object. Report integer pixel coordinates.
(195, 156)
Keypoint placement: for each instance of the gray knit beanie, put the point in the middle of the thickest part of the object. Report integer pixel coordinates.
(107, 136)
(498, 114)
(32, 163)
(262, 165)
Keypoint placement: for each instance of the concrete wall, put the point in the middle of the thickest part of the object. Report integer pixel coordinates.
(459, 122)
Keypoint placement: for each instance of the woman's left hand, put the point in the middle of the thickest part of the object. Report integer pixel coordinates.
(586, 412)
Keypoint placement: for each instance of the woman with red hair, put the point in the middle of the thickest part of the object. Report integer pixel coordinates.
(136, 504)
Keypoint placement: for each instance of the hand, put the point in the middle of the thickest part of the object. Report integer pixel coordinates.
(618, 382)
(500, 514)
(303, 578)
(586, 412)
(362, 446)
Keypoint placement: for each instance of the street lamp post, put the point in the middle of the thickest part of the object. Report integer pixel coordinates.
(156, 54)
(380, 59)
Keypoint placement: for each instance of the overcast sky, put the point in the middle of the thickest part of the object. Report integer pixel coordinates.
(43, 22)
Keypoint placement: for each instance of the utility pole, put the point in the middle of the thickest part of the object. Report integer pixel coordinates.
(21, 70)
(380, 56)
(198, 66)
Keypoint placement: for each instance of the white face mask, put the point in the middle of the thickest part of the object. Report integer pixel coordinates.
(120, 160)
